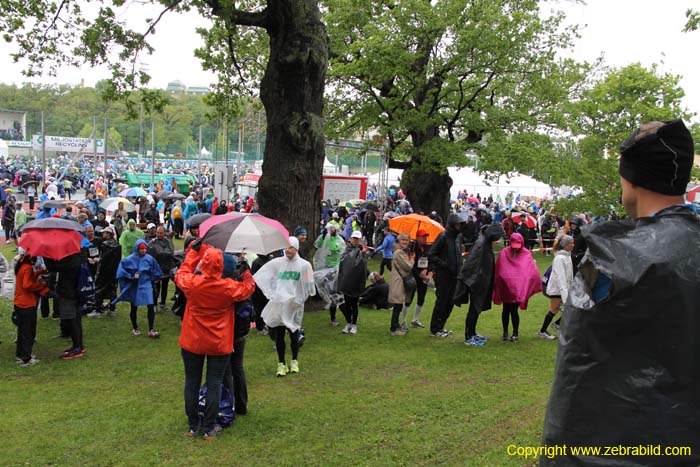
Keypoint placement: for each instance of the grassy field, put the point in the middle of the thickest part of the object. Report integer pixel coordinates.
(369, 399)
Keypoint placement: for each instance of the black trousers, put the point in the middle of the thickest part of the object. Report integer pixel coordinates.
(151, 316)
(470, 322)
(194, 365)
(234, 377)
(395, 313)
(445, 286)
(510, 313)
(385, 262)
(45, 309)
(278, 333)
(160, 288)
(351, 309)
(25, 319)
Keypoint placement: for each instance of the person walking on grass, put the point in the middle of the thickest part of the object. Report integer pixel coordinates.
(28, 286)
(387, 249)
(559, 282)
(136, 274)
(328, 251)
(129, 237)
(475, 282)
(399, 295)
(207, 331)
(162, 249)
(352, 275)
(516, 280)
(421, 274)
(287, 282)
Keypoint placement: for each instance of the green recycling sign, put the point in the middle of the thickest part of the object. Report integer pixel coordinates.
(67, 144)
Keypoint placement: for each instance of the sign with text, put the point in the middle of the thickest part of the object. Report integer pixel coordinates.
(67, 144)
(343, 188)
(19, 144)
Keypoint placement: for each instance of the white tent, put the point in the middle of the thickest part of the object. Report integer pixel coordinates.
(4, 150)
(329, 167)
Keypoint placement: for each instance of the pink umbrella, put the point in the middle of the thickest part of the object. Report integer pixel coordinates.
(215, 220)
(250, 233)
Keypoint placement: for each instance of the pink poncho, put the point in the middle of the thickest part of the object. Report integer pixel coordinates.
(517, 277)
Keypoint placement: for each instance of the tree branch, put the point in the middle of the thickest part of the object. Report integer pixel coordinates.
(256, 19)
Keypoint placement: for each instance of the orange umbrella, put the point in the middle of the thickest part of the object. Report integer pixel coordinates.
(412, 223)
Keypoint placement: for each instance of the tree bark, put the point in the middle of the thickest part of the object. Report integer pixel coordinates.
(427, 190)
(292, 93)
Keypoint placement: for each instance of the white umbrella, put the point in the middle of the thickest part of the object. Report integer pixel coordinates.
(112, 204)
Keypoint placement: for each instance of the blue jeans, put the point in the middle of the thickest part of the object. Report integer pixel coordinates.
(194, 365)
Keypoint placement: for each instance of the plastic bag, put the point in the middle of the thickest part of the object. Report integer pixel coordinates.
(227, 413)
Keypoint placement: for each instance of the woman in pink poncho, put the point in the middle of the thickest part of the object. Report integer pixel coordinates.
(517, 279)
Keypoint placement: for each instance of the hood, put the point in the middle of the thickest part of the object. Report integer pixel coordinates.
(139, 242)
(212, 264)
(131, 222)
(516, 237)
(494, 232)
(453, 219)
(229, 266)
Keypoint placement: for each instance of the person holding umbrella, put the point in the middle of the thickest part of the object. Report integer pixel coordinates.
(28, 285)
(207, 330)
(136, 274)
(287, 282)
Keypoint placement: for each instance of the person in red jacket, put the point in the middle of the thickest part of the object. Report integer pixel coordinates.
(207, 329)
(28, 286)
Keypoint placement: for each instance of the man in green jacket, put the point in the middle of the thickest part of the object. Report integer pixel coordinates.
(129, 237)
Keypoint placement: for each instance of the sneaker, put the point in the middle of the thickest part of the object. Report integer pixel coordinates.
(447, 331)
(404, 327)
(474, 342)
(153, 334)
(94, 314)
(346, 329)
(294, 367)
(302, 339)
(481, 338)
(136, 332)
(353, 329)
(32, 361)
(162, 307)
(74, 353)
(213, 433)
(417, 324)
(505, 338)
(514, 338)
(545, 335)
(282, 370)
(191, 433)
(335, 324)
(398, 332)
(440, 334)
(555, 326)
(263, 332)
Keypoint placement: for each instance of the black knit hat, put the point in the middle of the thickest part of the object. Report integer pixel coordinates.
(659, 161)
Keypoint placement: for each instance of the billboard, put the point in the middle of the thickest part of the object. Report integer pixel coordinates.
(67, 144)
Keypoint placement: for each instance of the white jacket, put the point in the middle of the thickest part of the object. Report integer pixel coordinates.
(562, 275)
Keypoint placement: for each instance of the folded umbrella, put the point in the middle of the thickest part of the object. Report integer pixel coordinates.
(250, 233)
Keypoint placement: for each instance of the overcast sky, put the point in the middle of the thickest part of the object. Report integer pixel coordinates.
(625, 31)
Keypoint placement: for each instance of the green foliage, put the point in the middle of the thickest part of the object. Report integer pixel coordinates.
(692, 20)
(609, 111)
(441, 76)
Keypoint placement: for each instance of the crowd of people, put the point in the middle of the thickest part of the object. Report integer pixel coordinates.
(225, 297)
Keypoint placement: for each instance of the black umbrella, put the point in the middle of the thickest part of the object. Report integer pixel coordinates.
(164, 194)
(30, 182)
(370, 206)
(175, 196)
(197, 219)
(119, 180)
(53, 205)
(53, 223)
(22, 172)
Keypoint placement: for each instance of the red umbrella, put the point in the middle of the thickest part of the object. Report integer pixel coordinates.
(50, 243)
(530, 221)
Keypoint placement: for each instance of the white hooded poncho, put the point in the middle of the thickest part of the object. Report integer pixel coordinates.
(286, 284)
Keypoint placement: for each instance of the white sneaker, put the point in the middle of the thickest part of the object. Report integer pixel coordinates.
(346, 329)
(545, 335)
(353, 329)
(94, 314)
(32, 361)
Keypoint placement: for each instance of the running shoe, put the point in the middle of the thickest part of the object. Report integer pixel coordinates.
(545, 335)
(514, 338)
(555, 326)
(472, 342)
(479, 337)
(440, 334)
(31, 362)
(282, 370)
(136, 332)
(346, 329)
(417, 324)
(191, 433)
(398, 332)
(153, 334)
(213, 433)
(353, 329)
(294, 367)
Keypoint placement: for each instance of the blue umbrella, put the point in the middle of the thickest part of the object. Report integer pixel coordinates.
(133, 192)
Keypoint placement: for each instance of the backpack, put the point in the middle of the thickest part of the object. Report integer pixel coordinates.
(226, 413)
(177, 212)
(245, 314)
(545, 280)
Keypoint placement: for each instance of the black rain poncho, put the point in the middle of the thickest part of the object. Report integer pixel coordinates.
(476, 276)
(628, 366)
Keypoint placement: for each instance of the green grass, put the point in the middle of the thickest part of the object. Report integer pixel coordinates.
(369, 399)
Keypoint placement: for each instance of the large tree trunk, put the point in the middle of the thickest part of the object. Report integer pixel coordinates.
(292, 93)
(427, 190)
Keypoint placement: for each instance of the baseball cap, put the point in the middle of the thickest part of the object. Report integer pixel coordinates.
(109, 229)
(421, 233)
(356, 234)
(150, 226)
